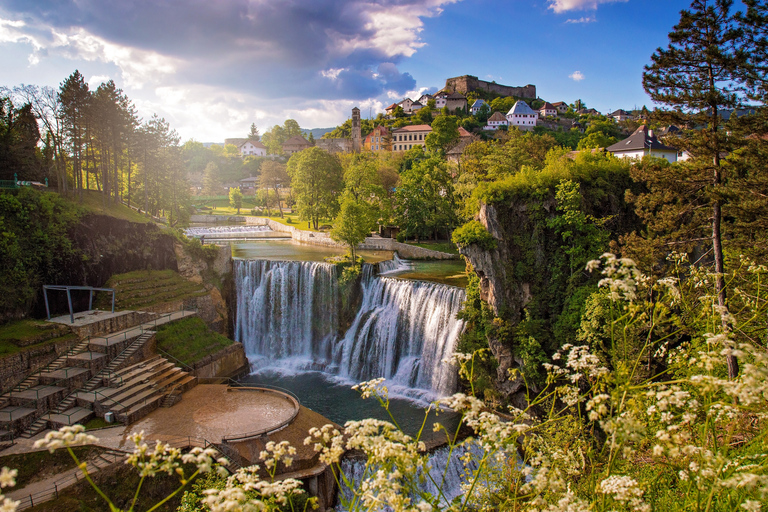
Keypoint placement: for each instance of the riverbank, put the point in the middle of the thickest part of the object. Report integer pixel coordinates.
(317, 238)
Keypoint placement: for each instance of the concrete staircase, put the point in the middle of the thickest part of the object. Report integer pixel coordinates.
(137, 390)
(94, 378)
(66, 412)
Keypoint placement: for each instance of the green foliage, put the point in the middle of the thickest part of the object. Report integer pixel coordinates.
(355, 221)
(34, 245)
(445, 133)
(316, 182)
(424, 204)
(189, 340)
(473, 232)
(236, 198)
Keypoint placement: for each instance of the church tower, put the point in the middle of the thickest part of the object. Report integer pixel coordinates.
(357, 142)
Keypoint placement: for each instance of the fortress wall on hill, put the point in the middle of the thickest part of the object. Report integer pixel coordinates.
(469, 83)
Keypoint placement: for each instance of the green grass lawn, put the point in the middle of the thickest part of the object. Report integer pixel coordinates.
(189, 340)
(94, 202)
(24, 334)
(440, 245)
(144, 288)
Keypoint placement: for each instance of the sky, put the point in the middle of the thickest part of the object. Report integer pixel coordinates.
(213, 67)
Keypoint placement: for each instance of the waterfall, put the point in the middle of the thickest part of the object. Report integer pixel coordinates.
(287, 310)
(395, 265)
(288, 316)
(403, 331)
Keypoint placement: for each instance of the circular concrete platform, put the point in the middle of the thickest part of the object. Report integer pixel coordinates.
(215, 412)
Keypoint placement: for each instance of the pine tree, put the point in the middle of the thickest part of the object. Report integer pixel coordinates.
(706, 70)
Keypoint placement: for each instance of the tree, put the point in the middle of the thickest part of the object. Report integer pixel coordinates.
(707, 68)
(424, 204)
(274, 176)
(317, 181)
(75, 97)
(445, 133)
(253, 134)
(236, 198)
(354, 223)
(211, 179)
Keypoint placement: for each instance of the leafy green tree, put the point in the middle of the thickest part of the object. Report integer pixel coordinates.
(316, 181)
(483, 113)
(424, 204)
(445, 134)
(354, 223)
(211, 179)
(236, 198)
(708, 68)
(423, 116)
(19, 136)
(274, 176)
(502, 104)
(596, 140)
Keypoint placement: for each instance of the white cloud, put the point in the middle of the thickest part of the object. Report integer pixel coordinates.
(576, 76)
(573, 5)
(583, 19)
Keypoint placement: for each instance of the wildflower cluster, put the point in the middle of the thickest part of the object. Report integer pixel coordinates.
(65, 437)
(7, 479)
(246, 491)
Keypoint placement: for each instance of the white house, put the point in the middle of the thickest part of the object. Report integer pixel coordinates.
(620, 115)
(441, 99)
(407, 103)
(424, 99)
(252, 148)
(522, 116)
(495, 121)
(477, 105)
(643, 143)
(548, 110)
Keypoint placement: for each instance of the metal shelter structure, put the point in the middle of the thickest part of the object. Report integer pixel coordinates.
(69, 289)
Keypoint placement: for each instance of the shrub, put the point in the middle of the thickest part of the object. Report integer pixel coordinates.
(473, 233)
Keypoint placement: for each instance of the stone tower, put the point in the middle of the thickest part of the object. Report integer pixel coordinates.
(357, 142)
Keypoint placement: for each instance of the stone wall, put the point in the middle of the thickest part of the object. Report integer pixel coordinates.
(16, 367)
(113, 324)
(469, 83)
(224, 363)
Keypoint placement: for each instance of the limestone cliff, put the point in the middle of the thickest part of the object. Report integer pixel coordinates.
(534, 279)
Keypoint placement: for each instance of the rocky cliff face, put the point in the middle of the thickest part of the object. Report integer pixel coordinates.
(532, 281)
(106, 246)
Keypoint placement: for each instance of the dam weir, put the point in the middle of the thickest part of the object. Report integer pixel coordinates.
(289, 320)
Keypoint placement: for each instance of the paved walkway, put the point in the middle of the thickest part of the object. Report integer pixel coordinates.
(139, 329)
(48, 488)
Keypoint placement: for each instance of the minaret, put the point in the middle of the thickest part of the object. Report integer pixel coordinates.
(357, 144)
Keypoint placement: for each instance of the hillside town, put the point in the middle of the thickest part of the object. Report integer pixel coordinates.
(482, 111)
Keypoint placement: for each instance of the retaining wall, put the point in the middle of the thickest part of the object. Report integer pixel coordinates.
(371, 243)
(224, 363)
(15, 368)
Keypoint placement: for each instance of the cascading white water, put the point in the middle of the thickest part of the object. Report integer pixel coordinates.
(288, 316)
(287, 310)
(395, 265)
(403, 332)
